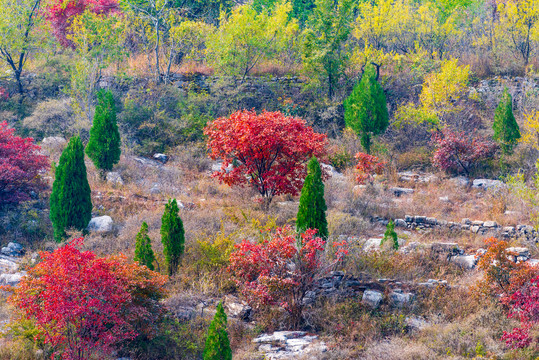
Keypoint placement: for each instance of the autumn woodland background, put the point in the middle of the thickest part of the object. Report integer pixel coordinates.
(187, 179)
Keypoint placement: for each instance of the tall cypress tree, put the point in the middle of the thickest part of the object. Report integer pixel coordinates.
(172, 236)
(104, 144)
(217, 343)
(70, 202)
(506, 130)
(312, 206)
(143, 248)
(365, 110)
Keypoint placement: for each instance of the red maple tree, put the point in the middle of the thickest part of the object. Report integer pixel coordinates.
(367, 166)
(20, 165)
(268, 151)
(281, 269)
(458, 151)
(60, 14)
(83, 305)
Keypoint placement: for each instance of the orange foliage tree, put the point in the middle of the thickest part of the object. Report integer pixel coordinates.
(267, 151)
(502, 275)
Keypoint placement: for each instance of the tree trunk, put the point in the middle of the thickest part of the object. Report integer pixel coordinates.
(157, 39)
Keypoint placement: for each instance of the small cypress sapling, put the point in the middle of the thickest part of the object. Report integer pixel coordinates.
(312, 206)
(506, 130)
(172, 236)
(390, 234)
(104, 144)
(217, 343)
(143, 248)
(365, 110)
(70, 201)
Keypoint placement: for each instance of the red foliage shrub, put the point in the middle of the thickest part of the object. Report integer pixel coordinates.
(60, 14)
(367, 166)
(268, 151)
(20, 165)
(458, 151)
(280, 269)
(83, 305)
(515, 284)
(524, 305)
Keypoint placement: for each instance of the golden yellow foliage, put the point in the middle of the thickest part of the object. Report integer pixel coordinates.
(530, 130)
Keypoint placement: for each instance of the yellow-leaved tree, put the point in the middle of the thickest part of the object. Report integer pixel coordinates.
(530, 130)
(98, 40)
(386, 25)
(438, 96)
(245, 38)
(437, 28)
(518, 28)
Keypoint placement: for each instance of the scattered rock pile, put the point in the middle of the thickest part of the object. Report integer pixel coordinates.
(480, 227)
(9, 264)
(290, 345)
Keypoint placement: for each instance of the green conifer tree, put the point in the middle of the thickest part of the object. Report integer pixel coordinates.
(217, 343)
(390, 234)
(506, 130)
(312, 206)
(104, 144)
(143, 248)
(70, 201)
(172, 236)
(365, 110)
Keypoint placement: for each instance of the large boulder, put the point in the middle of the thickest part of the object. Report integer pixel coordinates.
(11, 279)
(372, 298)
(465, 261)
(101, 224)
(237, 308)
(162, 158)
(13, 249)
(486, 184)
(399, 298)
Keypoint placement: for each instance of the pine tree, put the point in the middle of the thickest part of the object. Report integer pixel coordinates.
(172, 236)
(217, 343)
(506, 130)
(104, 144)
(143, 248)
(70, 201)
(390, 234)
(312, 206)
(365, 110)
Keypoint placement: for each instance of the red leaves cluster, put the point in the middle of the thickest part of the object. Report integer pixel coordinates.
(280, 269)
(267, 151)
(458, 151)
(4, 94)
(20, 165)
(60, 14)
(525, 307)
(516, 285)
(367, 166)
(83, 305)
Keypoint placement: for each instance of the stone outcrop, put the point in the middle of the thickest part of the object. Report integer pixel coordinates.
(289, 345)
